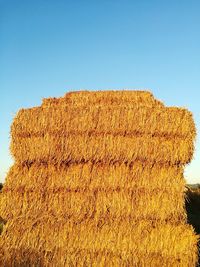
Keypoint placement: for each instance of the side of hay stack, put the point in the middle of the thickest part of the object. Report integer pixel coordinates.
(98, 181)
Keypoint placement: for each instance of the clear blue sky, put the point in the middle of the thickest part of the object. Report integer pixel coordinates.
(50, 47)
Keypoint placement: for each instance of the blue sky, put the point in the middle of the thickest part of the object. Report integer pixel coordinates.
(50, 47)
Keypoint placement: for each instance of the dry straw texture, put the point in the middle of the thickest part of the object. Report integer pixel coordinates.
(123, 120)
(105, 147)
(111, 97)
(98, 181)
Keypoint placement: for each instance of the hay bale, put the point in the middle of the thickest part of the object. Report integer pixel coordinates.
(103, 202)
(95, 175)
(134, 244)
(111, 97)
(98, 181)
(118, 120)
(104, 148)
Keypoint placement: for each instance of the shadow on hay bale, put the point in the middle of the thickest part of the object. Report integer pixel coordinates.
(21, 258)
(1, 186)
(2, 221)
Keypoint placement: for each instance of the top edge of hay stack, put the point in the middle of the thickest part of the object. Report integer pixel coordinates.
(98, 181)
(104, 97)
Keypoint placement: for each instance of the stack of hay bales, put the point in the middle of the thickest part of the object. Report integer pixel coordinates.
(98, 181)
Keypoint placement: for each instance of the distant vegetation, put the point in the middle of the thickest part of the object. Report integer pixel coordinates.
(193, 208)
